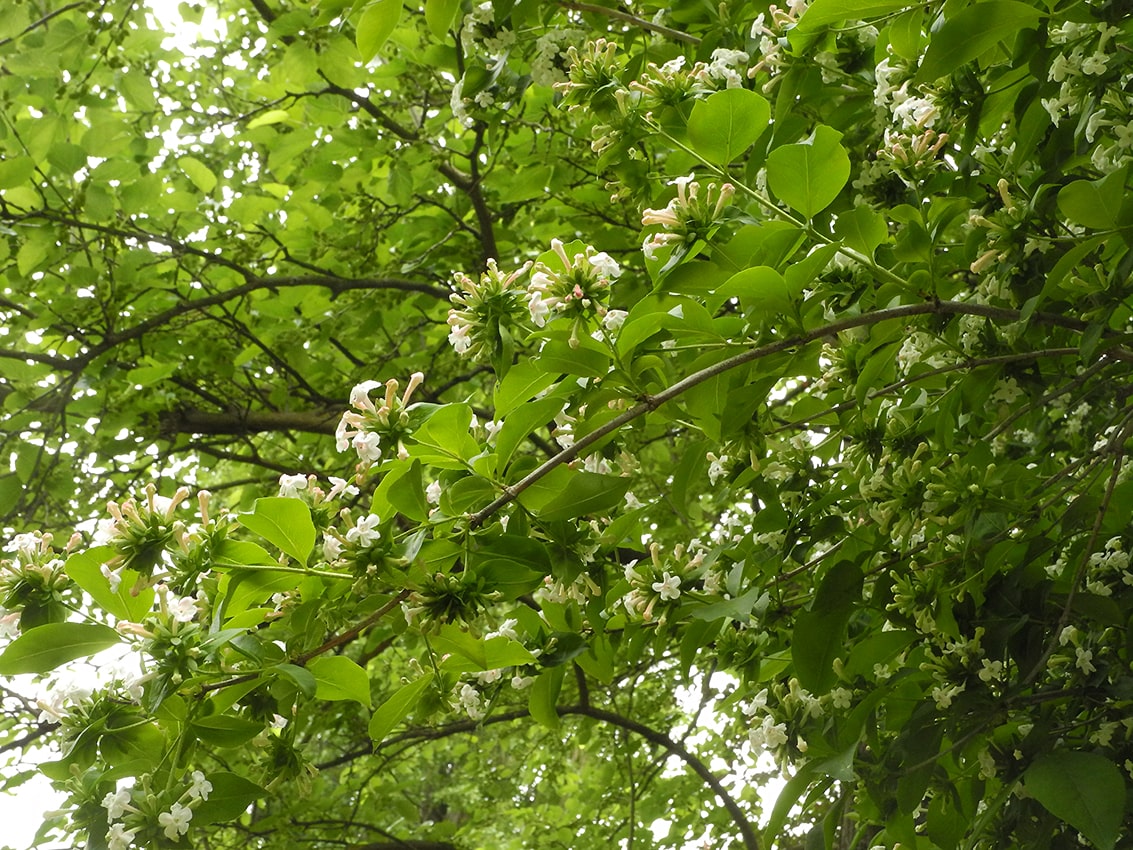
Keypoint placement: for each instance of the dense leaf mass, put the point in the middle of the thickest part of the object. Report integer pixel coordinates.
(542, 424)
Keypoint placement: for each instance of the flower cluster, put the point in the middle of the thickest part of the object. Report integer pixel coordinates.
(486, 314)
(658, 582)
(32, 584)
(572, 285)
(592, 77)
(689, 218)
(1089, 56)
(137, 805)
(365, 427)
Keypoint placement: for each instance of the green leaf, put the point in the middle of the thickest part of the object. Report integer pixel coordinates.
(439, 15)
(198, 173)
(447, 436)
(809, 176)
(862, 229)
(339, 678)
(397, 707)
(285, 523)
(241, 553)
(44, 648)
(271, 116)
(588, 359)
(725, 124)
(1083, 789)
(16, 171)
(586, 493)
(544, 696)
(905, 34)
(973, 31)
(762, 291)
(230, 797)
(1094, 203)
(402, 489)
(523, 382)
(225, 730)
(85, 570)
(819, 634)
(822, 13)
(377, 23)
(521, 422)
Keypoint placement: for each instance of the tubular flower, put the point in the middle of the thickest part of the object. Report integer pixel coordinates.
(485, 315)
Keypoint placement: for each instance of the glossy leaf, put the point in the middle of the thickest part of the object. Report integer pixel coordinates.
(1084, 789)
(377, 23)
(972, 31)
(286, 523)
(46, 647)
(339, 678)
(397, 707)
(726, 123)
(809, 176)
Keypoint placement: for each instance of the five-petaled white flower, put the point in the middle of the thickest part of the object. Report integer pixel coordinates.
(176, 821)
(119, 838)
(201, 787)
(669, 586)
(365, 532)
(116, 804)
(290, 485)
(367, 444)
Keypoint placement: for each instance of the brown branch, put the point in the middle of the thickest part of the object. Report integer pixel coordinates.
(189, 421)
(619, 15)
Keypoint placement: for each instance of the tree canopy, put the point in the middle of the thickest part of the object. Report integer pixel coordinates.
(537, 424)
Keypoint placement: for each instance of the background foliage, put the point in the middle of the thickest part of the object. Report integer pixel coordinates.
(720, 380)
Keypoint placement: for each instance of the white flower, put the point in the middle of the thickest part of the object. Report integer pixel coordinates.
(491, 429)
(366, 531)
(669, 587)
(1095, 64)
(360, 395)
(175, 821)
(757, 703)
(614, 319)
(459, 337)
(201, 787)
(332, 547)
(840, 698)
(605, 265)
(1085, 660)
(768, 735)
(433, 493)
(506, 629)
(116, 803)
(119, 838)
(991, 670)
(538, 308)
(114, 577)
(470, 701)
(341, 487)
(290, 485)
(366, 443)
(183, 609)
(717, 468)
(521, 682)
